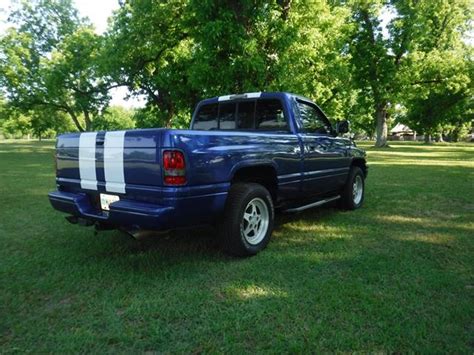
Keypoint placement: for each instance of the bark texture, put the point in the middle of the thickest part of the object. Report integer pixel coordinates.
(382, 129)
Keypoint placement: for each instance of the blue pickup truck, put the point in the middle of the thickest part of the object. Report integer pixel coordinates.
(244, 157)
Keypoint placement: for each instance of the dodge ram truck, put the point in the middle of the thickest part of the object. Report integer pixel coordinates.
(244, 157)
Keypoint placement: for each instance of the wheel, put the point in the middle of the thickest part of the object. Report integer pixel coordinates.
(248, 219)
(352, 196)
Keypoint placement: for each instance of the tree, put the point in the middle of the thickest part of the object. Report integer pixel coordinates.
(440, 90)
(73, 80)
(40, 123)
(294, 46)
(384, 66)
(51, 60)
(178, 52)
(47, 123)
(446, 101)
(12, 122)
(147, 50)
(114, 118)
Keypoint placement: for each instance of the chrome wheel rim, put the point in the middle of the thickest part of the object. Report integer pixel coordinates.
(255, 221)
(357, 189)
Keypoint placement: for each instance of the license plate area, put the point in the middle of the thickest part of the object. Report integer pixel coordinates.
(106, 200)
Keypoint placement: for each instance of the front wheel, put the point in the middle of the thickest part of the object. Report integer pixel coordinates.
(352, 196)
(248, 219)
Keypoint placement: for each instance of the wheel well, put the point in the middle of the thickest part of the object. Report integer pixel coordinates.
(263, 175)
(361, 164)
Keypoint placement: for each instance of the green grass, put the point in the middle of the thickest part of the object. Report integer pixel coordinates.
(394, 276)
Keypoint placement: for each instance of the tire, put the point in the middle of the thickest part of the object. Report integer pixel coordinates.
(351, 199)
(248, 219)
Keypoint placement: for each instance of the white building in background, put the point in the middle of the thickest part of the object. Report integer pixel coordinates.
(402, 133)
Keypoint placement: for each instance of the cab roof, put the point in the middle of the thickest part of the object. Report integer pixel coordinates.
(253, 95)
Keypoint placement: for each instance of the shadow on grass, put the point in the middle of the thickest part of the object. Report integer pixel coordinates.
(389, 214)
(200, 240)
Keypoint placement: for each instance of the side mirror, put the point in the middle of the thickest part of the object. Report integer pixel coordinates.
(343, 126)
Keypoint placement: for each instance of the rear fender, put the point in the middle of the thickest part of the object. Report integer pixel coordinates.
(251, 163)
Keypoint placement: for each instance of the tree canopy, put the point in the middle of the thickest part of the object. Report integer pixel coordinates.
(361, 60)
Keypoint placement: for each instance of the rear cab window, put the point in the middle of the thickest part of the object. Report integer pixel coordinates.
(206, 118)
(253, 115)
(269, 115)
(226, 115)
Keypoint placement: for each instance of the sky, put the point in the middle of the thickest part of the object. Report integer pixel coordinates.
(97, 10)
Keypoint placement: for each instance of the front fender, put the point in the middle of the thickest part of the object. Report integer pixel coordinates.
(355, 152)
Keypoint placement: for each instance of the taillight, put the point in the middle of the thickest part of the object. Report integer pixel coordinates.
(174, 167)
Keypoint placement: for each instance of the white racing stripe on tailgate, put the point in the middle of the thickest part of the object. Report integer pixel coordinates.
(87, 172)
(113, 162)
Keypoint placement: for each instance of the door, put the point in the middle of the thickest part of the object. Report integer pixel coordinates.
(325, 160)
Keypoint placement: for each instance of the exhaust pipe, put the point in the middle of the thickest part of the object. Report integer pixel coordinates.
(140, 234)
(135, 232)
(80, 221)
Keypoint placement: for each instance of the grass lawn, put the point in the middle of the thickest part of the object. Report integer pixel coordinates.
(396, 275)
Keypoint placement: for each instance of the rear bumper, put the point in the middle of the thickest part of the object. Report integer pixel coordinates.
(182, 212)
(122, 213)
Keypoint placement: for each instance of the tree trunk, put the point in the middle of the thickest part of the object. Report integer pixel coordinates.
(456, 133)
(75, 120)
(169, 116)
(87, 120)
(428, 138)
(285, 8)
(382, 129)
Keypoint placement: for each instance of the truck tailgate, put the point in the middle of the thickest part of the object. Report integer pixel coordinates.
(115, 162)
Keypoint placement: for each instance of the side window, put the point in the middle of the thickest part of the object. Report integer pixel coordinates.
(245, 115)
(227, 115)
(206, 118)
(312, 119)
(269, 115)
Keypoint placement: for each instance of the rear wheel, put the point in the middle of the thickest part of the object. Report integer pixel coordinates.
(352, 196)
(248, 219)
